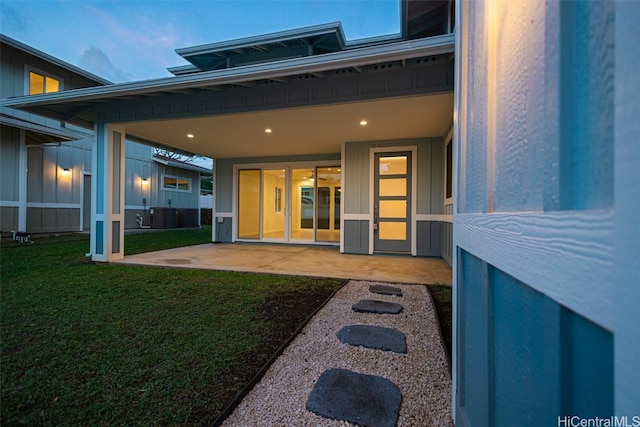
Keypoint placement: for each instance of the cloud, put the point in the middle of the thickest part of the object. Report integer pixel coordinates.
(97, 62)
(12, 20)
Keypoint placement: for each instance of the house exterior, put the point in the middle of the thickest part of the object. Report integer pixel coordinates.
(315, 139)
(46, 167)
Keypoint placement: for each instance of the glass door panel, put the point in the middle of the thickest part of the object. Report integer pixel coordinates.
(273, 202)
(249, 204)
(302, 204)
(328, 182)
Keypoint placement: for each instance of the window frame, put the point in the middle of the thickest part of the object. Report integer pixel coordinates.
(27, 80)
(177, 178)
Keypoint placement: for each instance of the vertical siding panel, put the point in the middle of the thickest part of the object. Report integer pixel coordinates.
(593, 116)
(424, 178)
(9, 154)
(224, 185)
(519, 179)
(352, 179)
(436, 184)
(35, 162)
(475, 190)
(473, 342)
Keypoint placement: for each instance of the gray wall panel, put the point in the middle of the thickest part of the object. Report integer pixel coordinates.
(223, 229)
(356, 179)
(52, 220)
(8, 219)
(429, 235)
(224, 185)
(9, 155)
(356, 237)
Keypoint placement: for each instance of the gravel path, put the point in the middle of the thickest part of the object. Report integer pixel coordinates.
(422, 374)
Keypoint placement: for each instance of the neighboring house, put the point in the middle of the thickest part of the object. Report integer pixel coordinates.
(46, 167)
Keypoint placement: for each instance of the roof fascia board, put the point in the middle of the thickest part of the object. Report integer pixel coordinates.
(264, 39)
(60, 63)
(309, 64)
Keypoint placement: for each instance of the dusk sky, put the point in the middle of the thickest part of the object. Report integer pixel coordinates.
(130, 40)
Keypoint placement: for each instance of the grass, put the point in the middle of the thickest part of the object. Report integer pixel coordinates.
(443, 301)
(98, 344)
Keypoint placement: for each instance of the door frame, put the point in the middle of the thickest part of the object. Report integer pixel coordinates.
(414, 165)
(289, 166)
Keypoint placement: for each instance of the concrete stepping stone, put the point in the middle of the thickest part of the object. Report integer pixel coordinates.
(385, 290)
(365, 400)
(376, 337)
(375, 306)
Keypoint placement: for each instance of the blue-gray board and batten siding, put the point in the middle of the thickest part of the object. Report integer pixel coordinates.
(536, 322)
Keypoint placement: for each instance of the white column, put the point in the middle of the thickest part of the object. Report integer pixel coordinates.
(107, 186)
(22, 183)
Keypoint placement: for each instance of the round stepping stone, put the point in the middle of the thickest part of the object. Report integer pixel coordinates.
(375, 306)
(365, 400)
(385, 290)
(376, 337)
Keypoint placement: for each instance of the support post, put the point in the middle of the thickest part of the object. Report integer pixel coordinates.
(107, 207)
(22, 183)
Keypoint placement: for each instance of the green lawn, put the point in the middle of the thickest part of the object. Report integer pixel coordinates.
(96, 344)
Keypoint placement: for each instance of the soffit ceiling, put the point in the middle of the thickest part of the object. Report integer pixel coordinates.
(299, 131)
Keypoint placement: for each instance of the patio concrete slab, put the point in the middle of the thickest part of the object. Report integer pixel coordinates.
(318, 261)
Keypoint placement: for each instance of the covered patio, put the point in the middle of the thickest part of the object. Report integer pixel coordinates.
(299, 260)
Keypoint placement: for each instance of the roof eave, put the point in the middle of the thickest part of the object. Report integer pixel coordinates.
(347, 58)
(263, 39)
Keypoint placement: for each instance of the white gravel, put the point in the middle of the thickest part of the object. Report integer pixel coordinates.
(422, 374)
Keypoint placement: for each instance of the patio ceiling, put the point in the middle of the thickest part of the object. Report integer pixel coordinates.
(305, 130)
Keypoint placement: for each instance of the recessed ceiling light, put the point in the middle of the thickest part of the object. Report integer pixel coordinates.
(363, 122)
(189, 135)
(268, 130)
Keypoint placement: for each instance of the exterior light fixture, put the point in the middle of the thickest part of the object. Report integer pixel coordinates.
(268, 130)
(66, 172)
(189, 135)
(363, 122)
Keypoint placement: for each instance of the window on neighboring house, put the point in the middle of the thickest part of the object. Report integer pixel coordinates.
(449, 171)
(41, 83)
(175, 183)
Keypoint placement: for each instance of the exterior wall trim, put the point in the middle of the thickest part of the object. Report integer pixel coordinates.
(54, 205)
(435, 217)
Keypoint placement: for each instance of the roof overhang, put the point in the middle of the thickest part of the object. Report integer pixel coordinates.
(39, 132)
(325, 37)
(76, 106)
(310, 129)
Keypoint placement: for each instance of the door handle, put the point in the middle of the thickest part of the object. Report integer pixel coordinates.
(375, 218)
